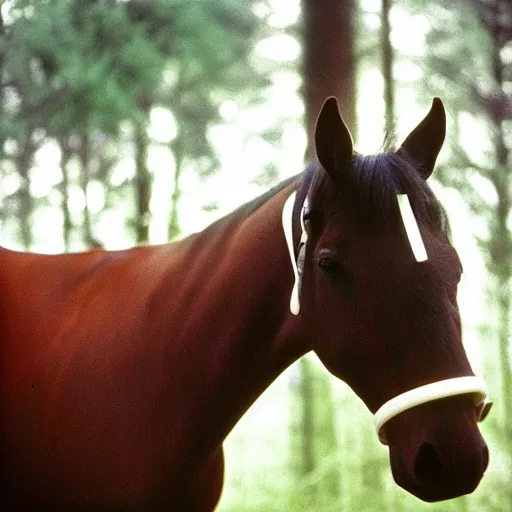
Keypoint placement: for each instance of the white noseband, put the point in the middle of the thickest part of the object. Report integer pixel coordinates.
(474, 386)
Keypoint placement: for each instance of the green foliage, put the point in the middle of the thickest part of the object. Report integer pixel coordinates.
(204, 70)
(82, 66)
(75, 70)
(89, 64)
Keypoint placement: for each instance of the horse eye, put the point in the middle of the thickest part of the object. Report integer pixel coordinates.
(328, 265)
(335, 270)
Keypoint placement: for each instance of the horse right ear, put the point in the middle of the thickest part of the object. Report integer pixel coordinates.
(333, 142)
(424, 143)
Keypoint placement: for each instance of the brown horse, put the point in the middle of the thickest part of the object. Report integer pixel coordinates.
(122, 372)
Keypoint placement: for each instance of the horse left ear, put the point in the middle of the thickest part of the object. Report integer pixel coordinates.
(424, 143)
(333, 142)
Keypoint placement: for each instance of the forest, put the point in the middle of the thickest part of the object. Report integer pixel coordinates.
(128, 122)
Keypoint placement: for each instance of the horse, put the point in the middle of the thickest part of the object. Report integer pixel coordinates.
(122, 372)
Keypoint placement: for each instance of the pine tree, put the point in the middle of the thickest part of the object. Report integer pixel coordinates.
(75, 70)
(329, 69)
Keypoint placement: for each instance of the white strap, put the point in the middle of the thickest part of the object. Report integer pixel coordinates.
(287, 218)
(411, 228)
(423, 394)
(288, 234)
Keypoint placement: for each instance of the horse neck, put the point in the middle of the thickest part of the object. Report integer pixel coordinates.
(237, 323)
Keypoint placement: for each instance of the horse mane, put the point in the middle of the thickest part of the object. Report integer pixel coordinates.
(374, 182)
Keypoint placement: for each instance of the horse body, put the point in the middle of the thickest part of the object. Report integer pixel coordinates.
(122, 372)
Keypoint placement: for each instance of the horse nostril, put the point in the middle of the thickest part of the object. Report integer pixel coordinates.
(459, 473)
(428, 466)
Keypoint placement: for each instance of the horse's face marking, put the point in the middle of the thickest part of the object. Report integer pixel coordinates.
(381, 318)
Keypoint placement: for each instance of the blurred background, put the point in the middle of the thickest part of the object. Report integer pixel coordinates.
(140, 121)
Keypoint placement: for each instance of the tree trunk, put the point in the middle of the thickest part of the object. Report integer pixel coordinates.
(307, 428)
(329, 70)
(174, 223)
(26, 203)
(500, 247)
(387, 70)
(142, 183)
(67, 225)
(501, 241)
(329, 67)
(326, 439)
(85, 164)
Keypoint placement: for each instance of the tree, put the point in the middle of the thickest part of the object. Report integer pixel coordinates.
(387, 68)
(77, 70)
(328, 69)
(329, 59)
(221, 52)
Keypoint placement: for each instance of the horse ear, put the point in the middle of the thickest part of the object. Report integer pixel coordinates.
(333, 142)
(424, 143)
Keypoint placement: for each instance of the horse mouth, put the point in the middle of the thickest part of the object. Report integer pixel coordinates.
(434, 495)
(431, 480)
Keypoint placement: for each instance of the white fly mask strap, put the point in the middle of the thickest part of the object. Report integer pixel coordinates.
(468, 385)
(297, 264)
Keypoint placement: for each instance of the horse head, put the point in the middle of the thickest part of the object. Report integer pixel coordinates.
(376, 293)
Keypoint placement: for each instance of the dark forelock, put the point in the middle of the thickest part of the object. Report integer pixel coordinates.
(375, 181)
